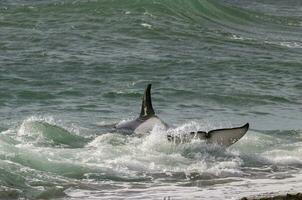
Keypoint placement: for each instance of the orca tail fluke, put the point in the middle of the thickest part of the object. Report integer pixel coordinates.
(224, 137)
(147, 109)
(227, 136)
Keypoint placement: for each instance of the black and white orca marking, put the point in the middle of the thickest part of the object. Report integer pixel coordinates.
(148, 119)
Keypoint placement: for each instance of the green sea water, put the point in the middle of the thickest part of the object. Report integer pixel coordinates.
(71, 69)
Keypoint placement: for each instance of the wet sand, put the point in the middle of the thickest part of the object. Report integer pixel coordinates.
(297, 196)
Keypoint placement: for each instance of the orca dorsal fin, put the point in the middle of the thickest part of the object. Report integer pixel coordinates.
(147, 109)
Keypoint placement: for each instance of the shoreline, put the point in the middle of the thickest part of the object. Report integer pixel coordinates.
(296, 196)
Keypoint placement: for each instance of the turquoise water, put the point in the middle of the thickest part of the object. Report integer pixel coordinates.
(69, 70)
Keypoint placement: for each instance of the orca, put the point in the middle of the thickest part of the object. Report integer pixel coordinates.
(148, 119)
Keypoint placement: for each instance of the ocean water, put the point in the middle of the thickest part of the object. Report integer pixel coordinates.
(71, 69)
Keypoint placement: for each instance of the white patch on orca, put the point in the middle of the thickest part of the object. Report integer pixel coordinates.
(148, 125)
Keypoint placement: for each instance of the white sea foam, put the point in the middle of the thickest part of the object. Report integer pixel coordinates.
(292, 45)
(149, 26)
(238, 37)
(228, 190)
(217, 170)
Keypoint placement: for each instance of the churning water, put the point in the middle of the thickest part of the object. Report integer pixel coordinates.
(70, 69)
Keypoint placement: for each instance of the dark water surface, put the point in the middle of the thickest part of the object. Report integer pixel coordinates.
(70, 69)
